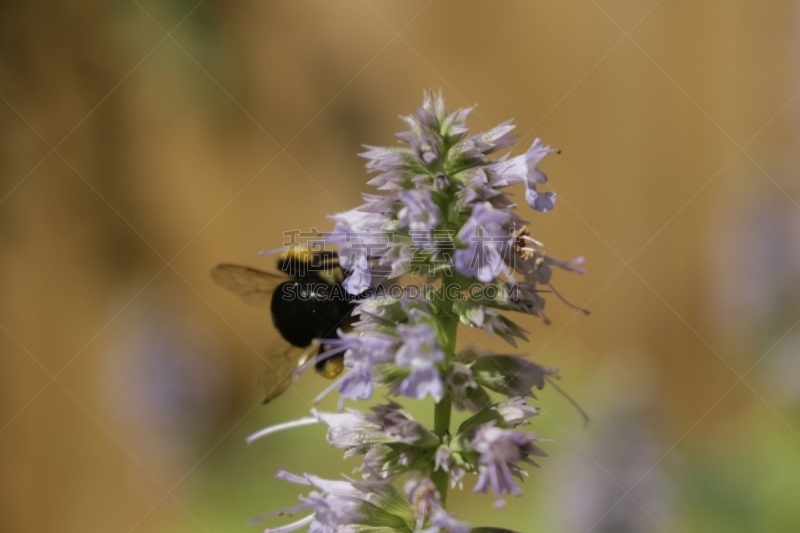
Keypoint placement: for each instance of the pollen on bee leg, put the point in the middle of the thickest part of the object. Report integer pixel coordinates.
(333, 367)
(320, 357)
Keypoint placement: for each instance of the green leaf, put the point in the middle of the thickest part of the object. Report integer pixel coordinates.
(510, 375)
(479, 397)
(383, 517)
(481, 417)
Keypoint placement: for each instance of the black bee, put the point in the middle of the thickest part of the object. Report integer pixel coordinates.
(308, 303)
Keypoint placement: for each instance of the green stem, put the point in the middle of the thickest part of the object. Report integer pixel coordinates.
(447, 320)
(441, 427)
(442, 410)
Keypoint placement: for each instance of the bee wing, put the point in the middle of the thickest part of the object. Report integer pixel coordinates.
(282, 361)
(254, 286)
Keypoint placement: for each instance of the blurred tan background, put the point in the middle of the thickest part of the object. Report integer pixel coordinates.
(143, 142)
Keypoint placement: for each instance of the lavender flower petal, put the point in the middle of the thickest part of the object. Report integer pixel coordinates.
(418, 212)
(500, 450)
(538, 201)
(486, 238)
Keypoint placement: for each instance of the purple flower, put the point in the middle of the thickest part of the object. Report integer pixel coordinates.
(477, 188)
(352, 431)
(444, 522)
(396, 261)
(508, 171)
(360, 275)
(524, 167)
(392, 165)
(486, 239)
(419, 345)
(423, 381)
(378, 205)
(459, 384)
(474, 314)
(515, 411)
(495, 139)
(360, 237)
(537, 270)
(540, 201)
(335, 503)
(426, 504)
(444, 460)
(505, 414)
(376, 313)
(342, 505)
(455, 124)
(442, 206)
(359, 432)
(395, 422)
(391, 440)
(339, 506)
(363, 352)
(418, 213)
(358, 384)
(500, 450)
(424, 135)
(421, 353)
(522, 297)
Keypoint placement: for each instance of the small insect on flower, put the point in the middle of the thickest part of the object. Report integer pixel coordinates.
(308, 303)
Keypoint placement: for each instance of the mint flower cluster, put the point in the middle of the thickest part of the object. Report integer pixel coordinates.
(443, 221)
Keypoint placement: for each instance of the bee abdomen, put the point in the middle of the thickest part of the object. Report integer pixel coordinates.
(303, 311)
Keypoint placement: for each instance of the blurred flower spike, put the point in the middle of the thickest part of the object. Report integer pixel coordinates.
(442, 215)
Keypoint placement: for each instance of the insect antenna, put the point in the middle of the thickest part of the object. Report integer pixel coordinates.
(570, 399)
